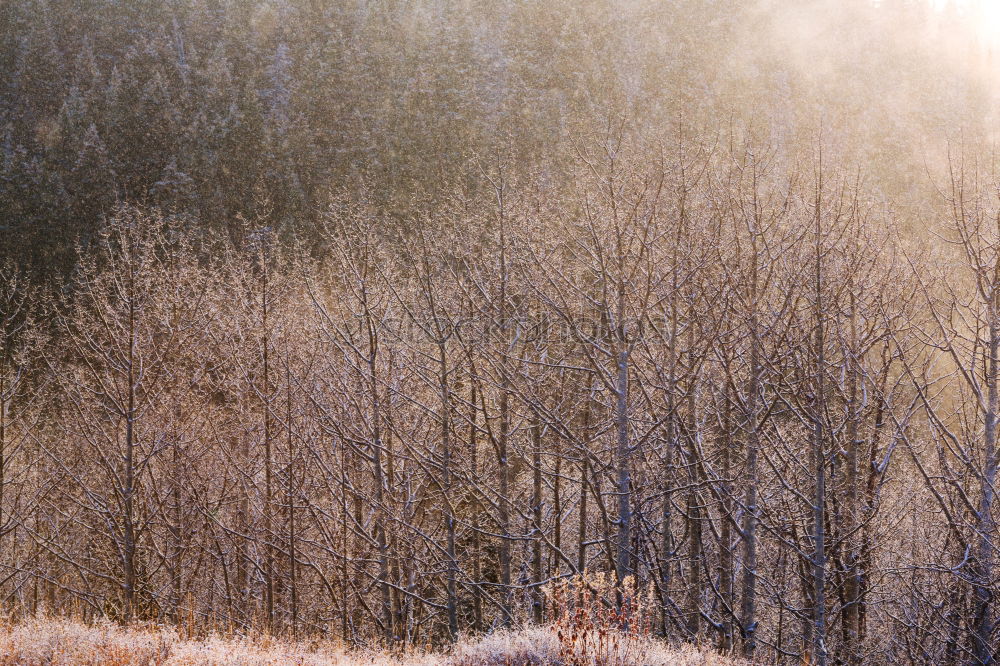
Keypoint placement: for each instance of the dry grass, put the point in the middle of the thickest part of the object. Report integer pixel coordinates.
(62, 642)
(543, 646)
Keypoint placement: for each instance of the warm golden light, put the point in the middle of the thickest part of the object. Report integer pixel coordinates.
(500, 332)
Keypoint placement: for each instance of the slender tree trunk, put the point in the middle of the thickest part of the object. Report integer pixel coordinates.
(452, 583)
(477, 555)
(504, 503)
(624, 563)
(176, 530)
(242, 545)
(381, 541)
(345, 621)
(537, 597)
(726, 537)
(751, 515)
(581, 542)
(4, 399)
(4, 406)
(290, 499)
(985, 524)
(694, 509)
(128, 491)
(819, 457)
(557, 509)
(266, 416)
(503, 445)
(666, 519)
(852, 579)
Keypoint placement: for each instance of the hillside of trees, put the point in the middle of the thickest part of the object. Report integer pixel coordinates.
(203, 107)
(396, 323)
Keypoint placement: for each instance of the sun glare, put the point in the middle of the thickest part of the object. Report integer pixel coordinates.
(984, 16)
(990, 25)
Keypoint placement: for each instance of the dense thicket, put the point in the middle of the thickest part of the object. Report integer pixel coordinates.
(380, 320)
(726, 388)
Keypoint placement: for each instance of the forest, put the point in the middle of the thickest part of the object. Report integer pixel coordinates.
(409, 322)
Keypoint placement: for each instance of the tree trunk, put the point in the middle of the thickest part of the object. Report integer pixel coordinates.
(819, 457)
(624, 562)
(452, 583)
(985, 524)
(537, 597)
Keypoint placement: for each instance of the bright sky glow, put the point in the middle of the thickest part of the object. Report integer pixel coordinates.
(985, 14)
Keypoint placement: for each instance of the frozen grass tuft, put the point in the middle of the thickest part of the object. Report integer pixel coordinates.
(59, 642)
(542, 646)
